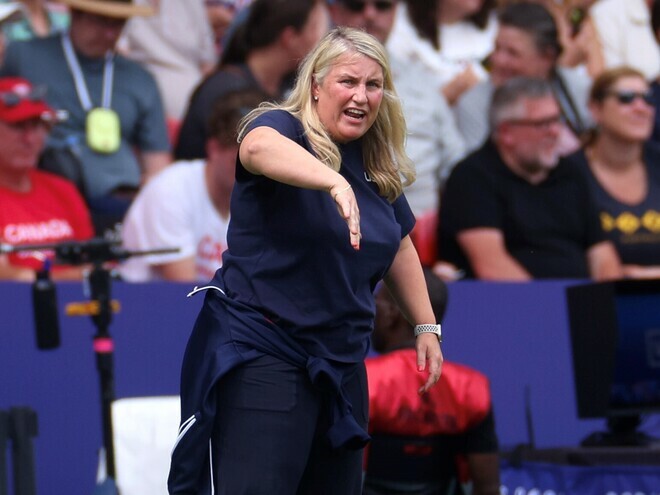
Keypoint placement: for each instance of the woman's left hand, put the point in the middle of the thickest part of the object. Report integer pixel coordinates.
(429, 355)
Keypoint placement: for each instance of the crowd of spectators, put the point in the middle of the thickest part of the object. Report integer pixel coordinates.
(139, 81)
(115, 136)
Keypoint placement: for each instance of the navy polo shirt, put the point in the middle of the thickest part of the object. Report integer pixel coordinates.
(289, 254)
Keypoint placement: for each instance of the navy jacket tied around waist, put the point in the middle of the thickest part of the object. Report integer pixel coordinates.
(227, 334)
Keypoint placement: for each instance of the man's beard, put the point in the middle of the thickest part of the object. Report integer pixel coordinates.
(545, 160)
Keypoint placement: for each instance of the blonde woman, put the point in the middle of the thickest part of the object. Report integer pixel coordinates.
(273, 382)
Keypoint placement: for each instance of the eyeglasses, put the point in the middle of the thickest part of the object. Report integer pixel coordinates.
(12, 98)
(359, 6)
(541, 124)
(627, 97)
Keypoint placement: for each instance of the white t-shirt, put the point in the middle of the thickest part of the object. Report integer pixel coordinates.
(465, 42)
(461, 44)
(174, 210)
(624, 28)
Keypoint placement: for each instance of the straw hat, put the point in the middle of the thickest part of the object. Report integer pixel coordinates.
(122, 9)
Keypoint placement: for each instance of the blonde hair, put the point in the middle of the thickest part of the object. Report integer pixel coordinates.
(383, 144)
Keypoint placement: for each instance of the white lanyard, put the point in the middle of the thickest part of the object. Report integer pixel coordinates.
(79, 79)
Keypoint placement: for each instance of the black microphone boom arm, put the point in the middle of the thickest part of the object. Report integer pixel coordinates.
(95, 251)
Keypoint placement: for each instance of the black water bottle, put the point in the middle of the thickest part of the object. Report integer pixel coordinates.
(44, 305)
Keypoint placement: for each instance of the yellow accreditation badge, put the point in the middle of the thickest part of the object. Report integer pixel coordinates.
(103, 130)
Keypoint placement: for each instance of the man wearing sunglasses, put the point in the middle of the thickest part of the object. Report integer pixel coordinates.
(434, 143)
(515, 210)
(115, 137)
(37, 207)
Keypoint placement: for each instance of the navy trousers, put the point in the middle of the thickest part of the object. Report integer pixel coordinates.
(269, 434)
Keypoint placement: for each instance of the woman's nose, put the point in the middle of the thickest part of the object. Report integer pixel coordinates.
(360, 94)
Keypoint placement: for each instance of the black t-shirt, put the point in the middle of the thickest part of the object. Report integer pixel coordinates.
(191, 142)
(547, 227)
(634, 229)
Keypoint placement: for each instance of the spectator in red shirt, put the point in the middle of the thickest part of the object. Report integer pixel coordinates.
(37, 207)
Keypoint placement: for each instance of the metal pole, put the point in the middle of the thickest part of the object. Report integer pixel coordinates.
(23, 427)
(100, 281)
(4, 437)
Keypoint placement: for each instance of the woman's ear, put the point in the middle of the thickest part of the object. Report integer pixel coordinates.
(315, 89)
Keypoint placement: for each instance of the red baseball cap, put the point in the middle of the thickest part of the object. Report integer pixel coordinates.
(20, 101)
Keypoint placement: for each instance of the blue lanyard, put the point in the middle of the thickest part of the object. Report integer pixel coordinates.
(79, 78)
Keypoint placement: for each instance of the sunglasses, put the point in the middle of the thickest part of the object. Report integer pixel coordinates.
(359, 6)
(627, 97)
(12, 99)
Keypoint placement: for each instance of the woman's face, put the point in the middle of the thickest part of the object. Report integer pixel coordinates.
(348, 99)
(623, 112)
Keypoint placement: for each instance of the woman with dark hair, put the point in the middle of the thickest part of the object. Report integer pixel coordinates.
(262, 52)
(451, 37)
(623, 168)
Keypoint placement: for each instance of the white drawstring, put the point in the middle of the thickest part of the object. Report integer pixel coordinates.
(199, 289)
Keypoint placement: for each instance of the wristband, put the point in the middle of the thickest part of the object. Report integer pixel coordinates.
(339, 192)
(429, 328)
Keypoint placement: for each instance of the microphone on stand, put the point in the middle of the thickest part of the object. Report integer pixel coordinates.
(44, 308)
(44, 297)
